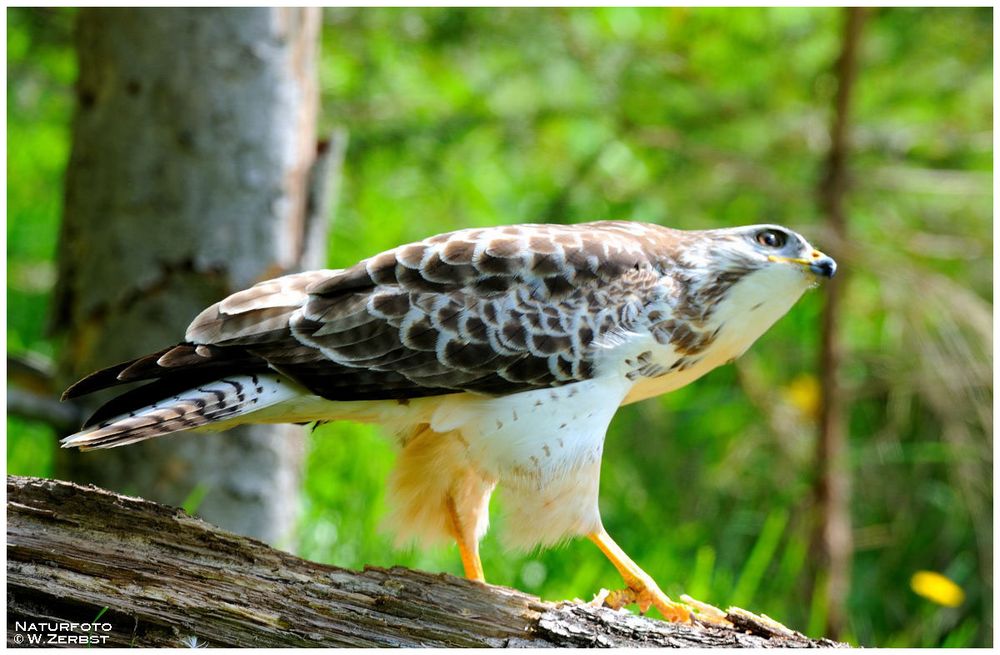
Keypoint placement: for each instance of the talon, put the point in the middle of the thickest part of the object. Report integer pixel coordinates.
(647, 594)
(620, 598)
(671, 611)
(600, 598)
(616, 599)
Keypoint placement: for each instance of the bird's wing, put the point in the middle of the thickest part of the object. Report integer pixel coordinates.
(494, 311)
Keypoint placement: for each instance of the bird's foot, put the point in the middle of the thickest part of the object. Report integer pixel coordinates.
(643, 591)
(690, 611)
(644, 595)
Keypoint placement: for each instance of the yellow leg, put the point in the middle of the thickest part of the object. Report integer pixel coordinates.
(644, 591)
(468, 545)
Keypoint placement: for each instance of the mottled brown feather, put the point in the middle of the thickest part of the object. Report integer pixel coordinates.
(495, 310)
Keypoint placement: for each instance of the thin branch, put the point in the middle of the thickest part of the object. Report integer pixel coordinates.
(321, 197)
(833, 540)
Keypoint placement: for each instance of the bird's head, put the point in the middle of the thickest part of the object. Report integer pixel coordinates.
(753, 274)
(780, 253)
(745, 276)
(773, 245)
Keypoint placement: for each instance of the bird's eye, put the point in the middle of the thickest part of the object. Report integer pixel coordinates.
(772, 238)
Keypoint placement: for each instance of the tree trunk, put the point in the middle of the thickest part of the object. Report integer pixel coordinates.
(833, 540)
(141, 574)
(193, 142)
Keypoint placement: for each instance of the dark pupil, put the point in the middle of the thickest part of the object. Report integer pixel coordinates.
(769, 239)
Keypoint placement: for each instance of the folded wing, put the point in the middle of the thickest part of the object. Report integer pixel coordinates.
(494, 311)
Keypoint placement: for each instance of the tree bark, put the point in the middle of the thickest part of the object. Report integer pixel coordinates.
(189, 178)
(150, 575)
(833, 541)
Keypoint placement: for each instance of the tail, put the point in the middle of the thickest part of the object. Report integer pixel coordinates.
(218, 401)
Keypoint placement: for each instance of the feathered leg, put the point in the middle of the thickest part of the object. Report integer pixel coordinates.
(436, 494)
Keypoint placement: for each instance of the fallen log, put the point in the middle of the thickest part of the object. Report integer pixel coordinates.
(88, 566)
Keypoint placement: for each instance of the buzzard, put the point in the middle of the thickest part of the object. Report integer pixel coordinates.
(496, 356)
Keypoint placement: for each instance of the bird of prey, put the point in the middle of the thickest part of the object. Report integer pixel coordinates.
(496, 356)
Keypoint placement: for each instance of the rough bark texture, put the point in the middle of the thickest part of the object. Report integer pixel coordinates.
(189, 178)
(154, 576)
(834, 541)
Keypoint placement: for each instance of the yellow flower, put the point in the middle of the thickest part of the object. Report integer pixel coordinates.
(803, 393)
(937, 588)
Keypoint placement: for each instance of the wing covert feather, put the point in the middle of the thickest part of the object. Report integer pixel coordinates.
(495, 311)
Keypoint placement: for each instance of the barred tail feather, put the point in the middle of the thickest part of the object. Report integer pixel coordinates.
(222, 400)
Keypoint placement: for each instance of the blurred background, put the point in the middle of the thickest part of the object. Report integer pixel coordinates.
(838, 477)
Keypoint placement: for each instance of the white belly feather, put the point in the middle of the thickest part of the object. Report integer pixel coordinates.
(545, 447)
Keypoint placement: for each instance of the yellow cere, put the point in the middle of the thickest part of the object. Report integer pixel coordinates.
(937, 588)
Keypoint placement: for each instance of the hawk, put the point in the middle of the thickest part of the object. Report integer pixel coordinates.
(496, 356)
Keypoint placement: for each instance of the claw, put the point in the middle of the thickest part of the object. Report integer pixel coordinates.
(615, 599)
(621, 597)
(600, 599)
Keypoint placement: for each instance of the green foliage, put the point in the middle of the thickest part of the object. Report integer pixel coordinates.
(30, 448)
(41, 68)
(692, 118)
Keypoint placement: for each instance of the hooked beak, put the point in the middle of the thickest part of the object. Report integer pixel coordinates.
(817, 263)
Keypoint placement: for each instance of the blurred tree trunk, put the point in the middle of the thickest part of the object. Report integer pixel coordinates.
(833, 542)
(193, 142)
